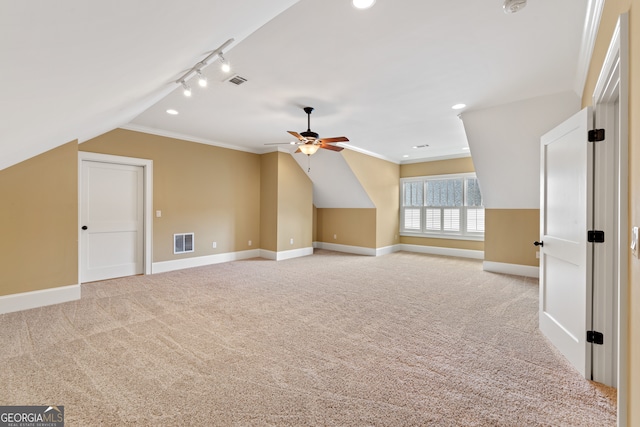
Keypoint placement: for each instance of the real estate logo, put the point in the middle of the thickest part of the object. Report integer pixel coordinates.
(31, 416)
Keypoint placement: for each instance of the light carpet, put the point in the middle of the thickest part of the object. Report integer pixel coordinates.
(329, 339)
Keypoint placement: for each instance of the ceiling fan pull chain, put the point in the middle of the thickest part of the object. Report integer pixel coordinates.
(308, 163)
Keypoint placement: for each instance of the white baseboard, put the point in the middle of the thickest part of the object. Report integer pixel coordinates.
(282, 255)
(515, 269)
(436, 250)
(179, 264)
(388, 250)
(356, 250)
(41, 298)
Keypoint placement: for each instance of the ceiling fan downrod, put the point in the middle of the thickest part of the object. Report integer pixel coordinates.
(308, 110)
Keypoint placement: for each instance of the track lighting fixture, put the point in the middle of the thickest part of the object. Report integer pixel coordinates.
(187, 89)
(197, 69)
(225, 67)
(513, 6)
(202, 80)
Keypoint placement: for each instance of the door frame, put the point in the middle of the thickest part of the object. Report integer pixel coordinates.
(612, 85)
(147, 166)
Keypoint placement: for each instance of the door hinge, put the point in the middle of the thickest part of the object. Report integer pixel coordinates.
(595, 236)
(595, 337)
(596, 135)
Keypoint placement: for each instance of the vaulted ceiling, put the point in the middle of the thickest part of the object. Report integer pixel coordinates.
(385, 77)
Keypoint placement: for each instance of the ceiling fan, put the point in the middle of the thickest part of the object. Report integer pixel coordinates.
(309, 141)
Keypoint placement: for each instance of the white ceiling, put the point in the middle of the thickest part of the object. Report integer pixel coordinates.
(385, 77)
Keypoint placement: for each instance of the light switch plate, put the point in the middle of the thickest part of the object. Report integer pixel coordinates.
(634, 241)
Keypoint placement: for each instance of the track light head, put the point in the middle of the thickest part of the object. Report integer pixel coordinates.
(187, 89)
(513, 6)
(226, 67)
(202, 80)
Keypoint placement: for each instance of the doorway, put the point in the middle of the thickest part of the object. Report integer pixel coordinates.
(610, 291)
(115, 205)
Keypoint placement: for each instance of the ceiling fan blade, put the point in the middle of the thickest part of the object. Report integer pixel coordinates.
(281, 143)
(296, 134)
(331, 147)
(336, 139)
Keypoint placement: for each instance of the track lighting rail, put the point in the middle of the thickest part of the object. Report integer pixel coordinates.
(201, 64)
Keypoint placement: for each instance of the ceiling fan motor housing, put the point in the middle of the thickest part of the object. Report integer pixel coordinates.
(309, 135)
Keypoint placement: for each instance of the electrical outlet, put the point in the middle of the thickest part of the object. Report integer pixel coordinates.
(158, 214)
(215, 245)
(538, 254)
(291, 241)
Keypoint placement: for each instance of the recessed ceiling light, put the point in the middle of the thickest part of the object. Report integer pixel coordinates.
(465, 148)
(172, 112)
(363, 4)
(459, 106)
(405, 156)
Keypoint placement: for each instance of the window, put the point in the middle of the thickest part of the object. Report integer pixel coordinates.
(442, 206)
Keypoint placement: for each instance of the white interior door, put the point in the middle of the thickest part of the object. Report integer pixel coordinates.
(565, 258)
(111, 216)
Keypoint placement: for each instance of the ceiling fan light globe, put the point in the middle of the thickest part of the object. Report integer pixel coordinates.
(309, 149)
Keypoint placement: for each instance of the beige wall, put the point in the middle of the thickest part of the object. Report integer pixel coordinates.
(295, 205)
(381, 181)
(472, 245)
(352, 227)
(438, 167)
(368, 228)
(210, 191)
(39, 222)
(509, 236)
(612, 9)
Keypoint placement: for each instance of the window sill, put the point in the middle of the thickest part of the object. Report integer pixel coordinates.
(443, 236)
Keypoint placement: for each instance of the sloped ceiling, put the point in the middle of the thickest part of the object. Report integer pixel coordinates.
(74, 69)
(384, 77)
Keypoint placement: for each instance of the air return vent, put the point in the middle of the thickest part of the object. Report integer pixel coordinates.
(237, 80)
(182, 243)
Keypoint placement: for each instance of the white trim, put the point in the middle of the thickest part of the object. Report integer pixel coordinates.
(356, 250)
(589, 35)
(614, 79)
(283, 255)
(41, 298)
(437, 158)
(513, 269)
(436, 250)
(185, 137)
(180, 264)
(367, 152)
(147, 166)
(388, 250)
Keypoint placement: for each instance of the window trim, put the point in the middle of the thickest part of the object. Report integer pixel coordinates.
(454, 235)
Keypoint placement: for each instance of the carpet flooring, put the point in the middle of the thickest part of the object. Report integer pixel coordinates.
(329, 339)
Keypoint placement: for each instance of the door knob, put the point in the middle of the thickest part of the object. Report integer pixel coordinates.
(84, 227)
(541, 244)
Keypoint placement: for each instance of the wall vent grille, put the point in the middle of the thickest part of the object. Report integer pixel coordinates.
(183, 243)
